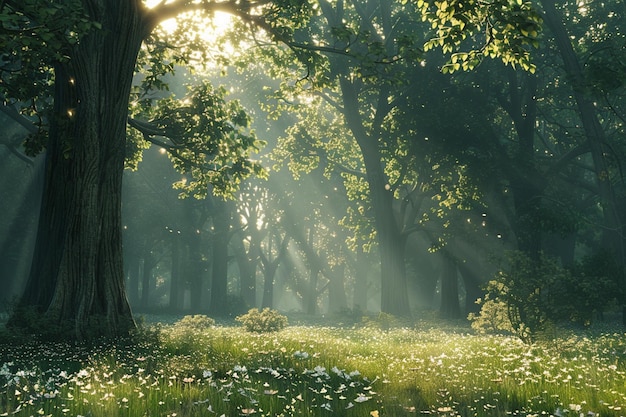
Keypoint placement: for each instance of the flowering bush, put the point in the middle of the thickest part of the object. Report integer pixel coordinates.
(195, 322)
(188, 333)
(493, 317)
(262, 321)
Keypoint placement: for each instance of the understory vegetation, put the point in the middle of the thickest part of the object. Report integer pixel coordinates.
(196, 367)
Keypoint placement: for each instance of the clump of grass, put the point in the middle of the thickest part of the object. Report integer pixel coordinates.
(316, 371)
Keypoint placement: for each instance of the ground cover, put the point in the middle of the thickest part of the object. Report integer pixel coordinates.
(308, 370)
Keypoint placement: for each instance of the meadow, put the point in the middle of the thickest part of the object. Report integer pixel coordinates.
(358, 370)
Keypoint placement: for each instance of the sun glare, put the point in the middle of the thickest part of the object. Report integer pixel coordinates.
(218, 23)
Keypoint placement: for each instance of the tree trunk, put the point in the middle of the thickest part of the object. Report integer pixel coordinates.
(268, 286)
(247, 262)
(176, 287)
(361, 282)
(450, 308)
(473, 292)
(527, 192)
(337, 300)
(219, 275)
(310, 299)
(76, 283)
(391, 243)
(195, 272)
(146, 278)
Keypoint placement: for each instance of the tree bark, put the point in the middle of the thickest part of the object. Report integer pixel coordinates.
(77, 279)
(391, 242)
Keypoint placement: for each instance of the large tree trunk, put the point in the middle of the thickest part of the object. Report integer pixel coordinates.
(521, 107)
(268, 286)
(77, 280)
(472, 283)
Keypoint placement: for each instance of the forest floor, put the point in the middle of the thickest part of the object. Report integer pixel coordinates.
(351, 368)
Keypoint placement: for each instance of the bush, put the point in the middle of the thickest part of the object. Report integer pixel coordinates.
(264, 321)
(195, 322)
(188, 333)
(493, 317)
(528, 297)
(523, 297)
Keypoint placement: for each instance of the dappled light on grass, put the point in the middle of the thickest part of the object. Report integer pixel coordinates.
(321, 371)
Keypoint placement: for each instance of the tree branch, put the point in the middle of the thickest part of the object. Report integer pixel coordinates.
(149, 130)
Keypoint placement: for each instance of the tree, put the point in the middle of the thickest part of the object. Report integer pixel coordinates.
(367, 48)
(88, 50)
(597, 140)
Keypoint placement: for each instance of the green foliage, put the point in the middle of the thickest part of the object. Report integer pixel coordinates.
(188, 333)
(36, 35)
(529, 296)
(493, 317)
(264, 321)
(507, 28)
(527, 288)
(195, 322)
(209, 139)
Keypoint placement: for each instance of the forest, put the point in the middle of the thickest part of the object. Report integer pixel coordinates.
(312, 207)
(312, 157)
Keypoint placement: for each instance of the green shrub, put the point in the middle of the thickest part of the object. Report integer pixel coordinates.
(264, 321)
(528, 297)
(527, 290)
(188, 333)
(493, 317)
(195, 322)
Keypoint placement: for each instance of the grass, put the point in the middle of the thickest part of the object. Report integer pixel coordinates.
(309, 370)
